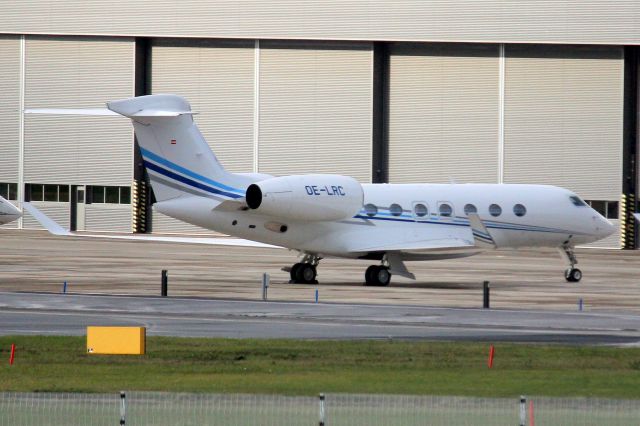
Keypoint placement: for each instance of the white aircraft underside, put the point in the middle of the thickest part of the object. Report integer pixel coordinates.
(332, 215)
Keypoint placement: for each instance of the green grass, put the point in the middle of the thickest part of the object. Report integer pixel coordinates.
(295, 367)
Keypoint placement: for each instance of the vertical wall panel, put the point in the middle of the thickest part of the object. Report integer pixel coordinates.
(443, 113)
(217, 78)
(315, 109)
(563, 118)
(9, 108)
(108, 217)
(78, 73)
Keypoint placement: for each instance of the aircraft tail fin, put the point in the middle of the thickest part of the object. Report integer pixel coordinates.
(177, 157)
(481, 236)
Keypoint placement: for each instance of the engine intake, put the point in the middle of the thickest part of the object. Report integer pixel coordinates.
(306, 197)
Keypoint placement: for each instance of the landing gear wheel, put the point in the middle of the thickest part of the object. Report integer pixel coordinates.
(378, 276)
(305, 274)
(369, 274)
(294, 271)
(573, 275)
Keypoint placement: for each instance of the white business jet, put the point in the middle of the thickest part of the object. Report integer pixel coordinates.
(322, 215)
(8, 212)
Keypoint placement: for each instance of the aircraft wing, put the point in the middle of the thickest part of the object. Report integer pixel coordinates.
(55, 229)
(434, 245)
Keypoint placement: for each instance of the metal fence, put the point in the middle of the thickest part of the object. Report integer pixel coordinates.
(157, 408)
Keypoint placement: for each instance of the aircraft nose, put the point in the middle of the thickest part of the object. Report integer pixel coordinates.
(604, 228)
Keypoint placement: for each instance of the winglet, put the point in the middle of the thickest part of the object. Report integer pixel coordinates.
(637, 215)
(44, 220)
(481, 236)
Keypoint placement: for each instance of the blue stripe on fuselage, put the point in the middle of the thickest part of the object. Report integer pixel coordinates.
(168, 173)
(177, 168)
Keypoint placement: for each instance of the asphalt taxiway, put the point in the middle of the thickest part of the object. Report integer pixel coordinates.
(216, 291)
(68, 314)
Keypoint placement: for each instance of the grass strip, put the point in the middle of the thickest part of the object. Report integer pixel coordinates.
(307, 367)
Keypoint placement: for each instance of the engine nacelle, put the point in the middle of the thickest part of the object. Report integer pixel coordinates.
(307, 197)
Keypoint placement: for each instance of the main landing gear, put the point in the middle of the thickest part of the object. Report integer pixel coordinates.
(377, 276)
(305, 272)
(571, 274)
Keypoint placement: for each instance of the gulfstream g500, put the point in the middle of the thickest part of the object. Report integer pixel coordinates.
(321, 215)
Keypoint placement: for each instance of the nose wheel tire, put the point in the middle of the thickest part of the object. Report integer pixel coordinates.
(303, 273)
(573, 275)
(378, 276)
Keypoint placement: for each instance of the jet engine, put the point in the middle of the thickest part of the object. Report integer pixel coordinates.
(307, 197)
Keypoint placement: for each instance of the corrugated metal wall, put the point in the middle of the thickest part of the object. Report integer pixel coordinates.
(443, 113)
(9, 108)
(315, 109)
(218, 80)
(59, 212)
(563, 118)
(108, 217)
(77, 73)
(558, 21)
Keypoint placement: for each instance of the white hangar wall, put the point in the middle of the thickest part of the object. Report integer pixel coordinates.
(273, 107)
(78, 72)
(488, 21)
(468, 112)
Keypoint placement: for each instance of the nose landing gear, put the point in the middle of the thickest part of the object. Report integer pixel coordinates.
(571, 274)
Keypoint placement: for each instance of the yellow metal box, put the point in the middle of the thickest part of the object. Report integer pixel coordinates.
(116, 340)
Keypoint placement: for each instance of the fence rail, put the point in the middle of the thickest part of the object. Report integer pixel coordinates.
(158, 408)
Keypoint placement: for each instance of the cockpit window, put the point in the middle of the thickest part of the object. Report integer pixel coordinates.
(577, 201)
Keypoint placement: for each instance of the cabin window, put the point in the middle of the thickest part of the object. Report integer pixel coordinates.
(470, 208)
(395, 209)
(371, 210)
(495, 210)
(519, 210)
(420, 210)
(445, 210)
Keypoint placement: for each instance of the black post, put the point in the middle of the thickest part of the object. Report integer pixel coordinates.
(485, 295)
(630, 148)
(165, 283)
(322, 411)
(380, 143)
(123, 408)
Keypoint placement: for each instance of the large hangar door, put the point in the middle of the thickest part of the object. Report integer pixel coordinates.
(218, 80)
(563, 121)
(9, 118)
(77, 72)
(315, 108)
(443, 113)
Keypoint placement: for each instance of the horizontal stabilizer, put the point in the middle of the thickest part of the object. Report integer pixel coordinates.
(106, 111)
(481, 236)
(71, 111)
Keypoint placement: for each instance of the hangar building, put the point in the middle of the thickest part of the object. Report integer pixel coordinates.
(384, 91)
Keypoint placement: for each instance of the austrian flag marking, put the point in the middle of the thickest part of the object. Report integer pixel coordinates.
(173, 141)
